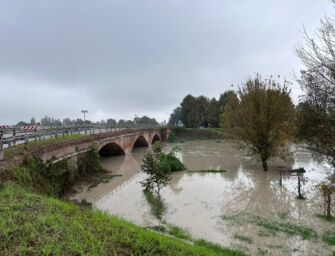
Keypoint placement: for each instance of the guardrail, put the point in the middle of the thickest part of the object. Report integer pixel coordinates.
(11, 137)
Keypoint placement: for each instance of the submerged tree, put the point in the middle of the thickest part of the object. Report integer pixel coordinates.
(328, 189)
(158, 166)
(261, 119)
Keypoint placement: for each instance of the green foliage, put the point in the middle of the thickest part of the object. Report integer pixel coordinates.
(48, 178)
(90, 162)
(214, 247)
(178, 232)
(175, 117)
(33, 224)
(243, 238)
(329, 237)
(183, 234)
(262, 119)
(182, 134)
(274, 225)
(52, 178)
(201, 111)
(325, 218)
(158, 166)
(209, 171)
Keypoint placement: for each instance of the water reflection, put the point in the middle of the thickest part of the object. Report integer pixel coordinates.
(156, 203)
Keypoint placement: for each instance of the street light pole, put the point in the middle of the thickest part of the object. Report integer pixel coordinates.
(84, 112)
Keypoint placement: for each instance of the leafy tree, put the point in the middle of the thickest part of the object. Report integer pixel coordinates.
(32, 121)
(175, 116)
(145, 120)
(49, 121)
(213, 115)
(228, 97)
(111, 122)
(156, 169)
(22, 123)
(188, 113)
(261, 120)
(316, 115)
(158, 166)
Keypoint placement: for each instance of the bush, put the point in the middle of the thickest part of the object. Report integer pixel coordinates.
(90, 163)
(158, 167)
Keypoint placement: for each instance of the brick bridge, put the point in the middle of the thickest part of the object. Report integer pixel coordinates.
(110, 143)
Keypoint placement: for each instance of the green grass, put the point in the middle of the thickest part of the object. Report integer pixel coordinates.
(209, 171)
(32, 224)
(275, 226)
(325, 218)
(329, 237)
(243, 238)
(179, 233)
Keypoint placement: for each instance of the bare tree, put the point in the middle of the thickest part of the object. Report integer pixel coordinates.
(316, 116)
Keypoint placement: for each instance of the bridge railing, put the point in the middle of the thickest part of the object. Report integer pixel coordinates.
(13, 136)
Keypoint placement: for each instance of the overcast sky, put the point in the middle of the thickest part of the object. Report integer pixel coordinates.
(118, 58)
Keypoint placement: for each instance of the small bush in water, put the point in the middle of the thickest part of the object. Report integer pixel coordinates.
(158, 166)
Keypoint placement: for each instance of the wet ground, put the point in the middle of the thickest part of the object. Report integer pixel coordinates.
(243, 208)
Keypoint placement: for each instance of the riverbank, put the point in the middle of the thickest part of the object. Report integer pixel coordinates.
(180, 134)
(36, 221)
(33, 224)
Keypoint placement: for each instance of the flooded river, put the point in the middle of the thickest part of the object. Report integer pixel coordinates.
(231, 208)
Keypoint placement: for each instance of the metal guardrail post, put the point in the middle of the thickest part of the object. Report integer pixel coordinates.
(14, 137)
(35, 134)
(25, 138)
(1, 146)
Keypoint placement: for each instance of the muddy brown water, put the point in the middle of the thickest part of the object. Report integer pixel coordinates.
(197, 202)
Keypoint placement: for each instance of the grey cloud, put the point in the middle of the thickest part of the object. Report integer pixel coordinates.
(121, 58)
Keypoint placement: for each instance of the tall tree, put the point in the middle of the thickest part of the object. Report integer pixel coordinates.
(262, 119)
(175, 117)
(188, 114)
(316, 117)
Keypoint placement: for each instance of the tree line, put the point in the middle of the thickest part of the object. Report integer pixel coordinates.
(50, 121)
(201, 111)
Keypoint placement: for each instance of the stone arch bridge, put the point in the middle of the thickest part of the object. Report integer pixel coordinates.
(110, 143)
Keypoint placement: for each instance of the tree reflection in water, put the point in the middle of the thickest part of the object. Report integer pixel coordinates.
(156, 203)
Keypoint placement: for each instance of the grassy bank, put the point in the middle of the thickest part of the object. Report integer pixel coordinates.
(35, 221)
(33, 224)
(180, 134)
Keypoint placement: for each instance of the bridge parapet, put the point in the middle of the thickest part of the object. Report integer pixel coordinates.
(11, 136)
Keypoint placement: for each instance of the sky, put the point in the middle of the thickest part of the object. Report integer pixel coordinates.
(121, 58)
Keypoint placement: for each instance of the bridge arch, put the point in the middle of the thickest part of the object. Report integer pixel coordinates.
(140, 141)
(111, 149)
(155, 138)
